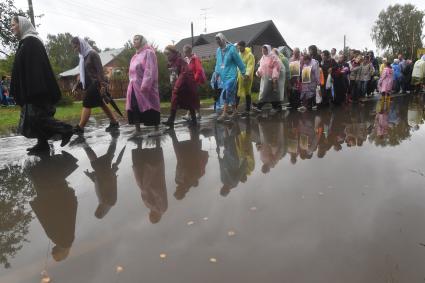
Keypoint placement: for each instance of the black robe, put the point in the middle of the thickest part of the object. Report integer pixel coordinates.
(36, 90)
(33, 80)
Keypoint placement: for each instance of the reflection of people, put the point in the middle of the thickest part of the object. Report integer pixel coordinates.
(35, 89)
(245, 151)
(271, 145)
(232, 169)
(104, 177)
(149, 171)
(381, 119)
(55, 204)
(191, 162)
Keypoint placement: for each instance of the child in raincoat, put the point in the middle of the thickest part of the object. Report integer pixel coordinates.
(385, 84)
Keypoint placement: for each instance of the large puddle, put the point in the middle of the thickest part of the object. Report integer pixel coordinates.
(327, 196)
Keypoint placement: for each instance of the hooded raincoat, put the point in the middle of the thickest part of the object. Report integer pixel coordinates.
(228, 62)
(245, 85)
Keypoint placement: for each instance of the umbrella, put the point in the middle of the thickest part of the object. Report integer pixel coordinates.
(107, 97)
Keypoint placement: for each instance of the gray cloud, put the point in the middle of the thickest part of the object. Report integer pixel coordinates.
(302, 22)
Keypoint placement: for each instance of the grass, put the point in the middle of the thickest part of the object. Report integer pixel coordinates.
(9, 116)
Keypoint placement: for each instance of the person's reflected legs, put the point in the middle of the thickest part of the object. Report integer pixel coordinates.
(149, 171)
(55, 205)
(104, 177)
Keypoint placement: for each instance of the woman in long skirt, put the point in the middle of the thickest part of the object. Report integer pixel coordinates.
(184, 86)
(93, 82)
(35, 89)
(143, 103)
(269, 72)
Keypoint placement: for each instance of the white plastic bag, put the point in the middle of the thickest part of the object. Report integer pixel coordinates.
(318, 95)
(329, 82)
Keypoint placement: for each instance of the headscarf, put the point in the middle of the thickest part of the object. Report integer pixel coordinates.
(222, 38)
(423, 58)
(26, 29)
(269, 48)
(143, 40)
(396, 61)
(85, 49)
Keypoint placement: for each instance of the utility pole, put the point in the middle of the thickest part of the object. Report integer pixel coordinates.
(205, 15)
(345, 44)
(191, 31)
(31, 12)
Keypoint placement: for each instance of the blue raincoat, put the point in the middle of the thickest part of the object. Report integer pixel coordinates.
(227, 63)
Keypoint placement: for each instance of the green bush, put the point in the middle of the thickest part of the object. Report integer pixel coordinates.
(163, 77)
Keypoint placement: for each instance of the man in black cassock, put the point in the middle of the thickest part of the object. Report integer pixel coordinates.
(35, 89)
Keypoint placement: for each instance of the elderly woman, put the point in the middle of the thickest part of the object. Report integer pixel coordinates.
(269, 72)
(93, 82)
(295, 75)
(143, 103)
(310, 80)
(195, 65)
(184, 94)
(35, 89)
(228, 62)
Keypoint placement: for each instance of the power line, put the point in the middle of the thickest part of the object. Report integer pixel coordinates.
(92, 16)
(127, 17)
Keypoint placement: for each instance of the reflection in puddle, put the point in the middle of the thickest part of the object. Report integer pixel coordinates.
(296, 167)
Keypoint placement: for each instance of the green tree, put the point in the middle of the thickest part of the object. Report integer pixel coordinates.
(15, 215)
(399, 29)
(61, 55)
(6, 65)
(7, 12)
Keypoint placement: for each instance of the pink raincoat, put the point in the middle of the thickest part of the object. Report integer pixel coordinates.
(385, 83)
(143, 76)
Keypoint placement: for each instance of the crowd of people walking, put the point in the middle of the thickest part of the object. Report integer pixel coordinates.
(301, 80)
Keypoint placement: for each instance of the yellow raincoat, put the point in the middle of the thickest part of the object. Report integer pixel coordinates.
(245, 151)
(245, 85)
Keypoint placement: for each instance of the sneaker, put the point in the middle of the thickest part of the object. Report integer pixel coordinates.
(78, 130)
(112, 126)
(198, 116)
(314, 107)
(302, 109)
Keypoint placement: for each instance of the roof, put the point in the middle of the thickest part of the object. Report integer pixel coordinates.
(248, 33)
(105, 57)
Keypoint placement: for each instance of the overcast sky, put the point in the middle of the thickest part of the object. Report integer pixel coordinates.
(303, 22)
